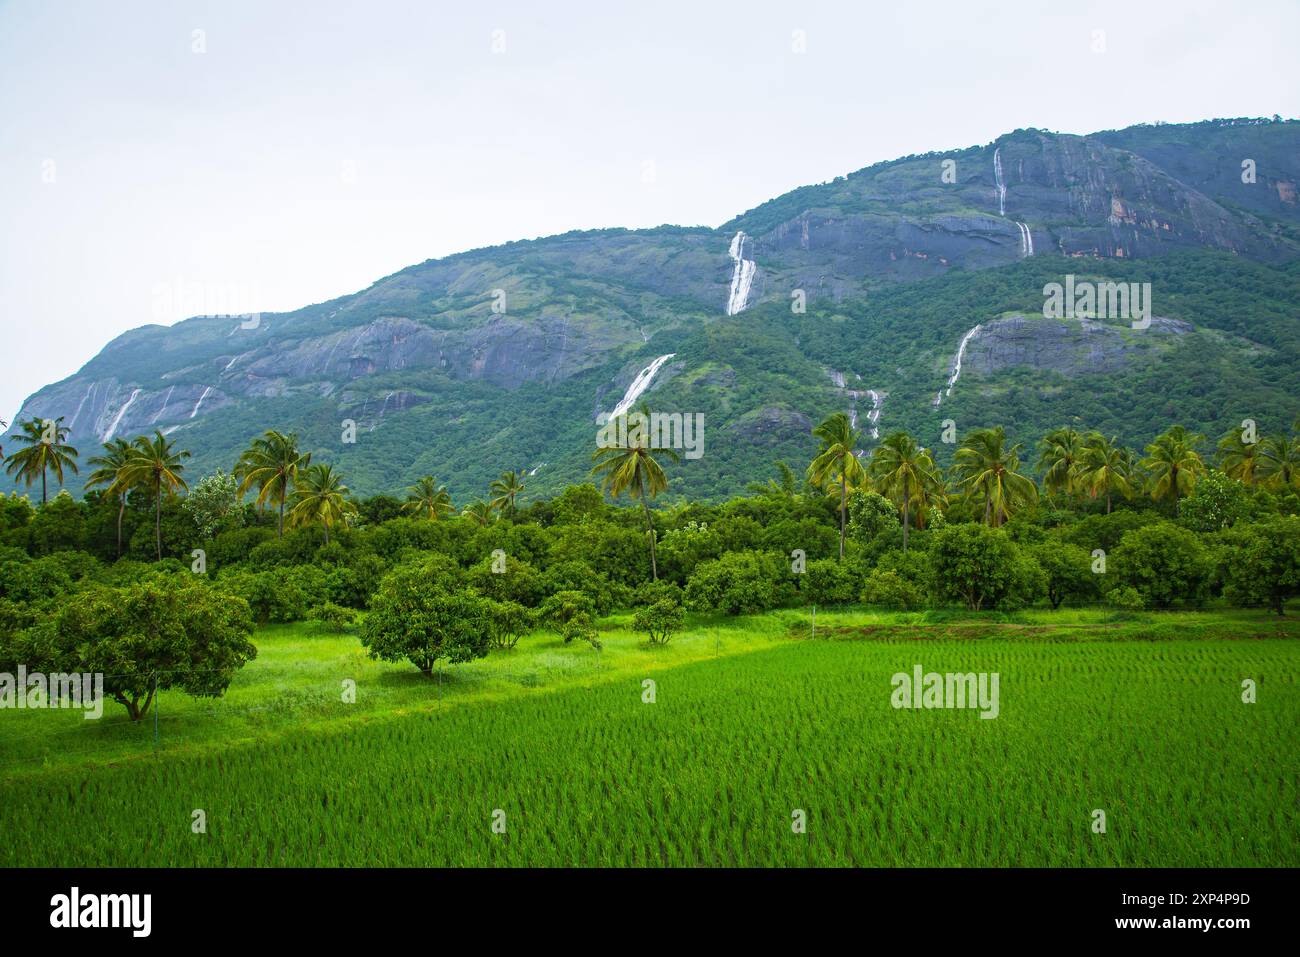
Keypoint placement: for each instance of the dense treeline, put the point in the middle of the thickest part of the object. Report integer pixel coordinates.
(150, 576)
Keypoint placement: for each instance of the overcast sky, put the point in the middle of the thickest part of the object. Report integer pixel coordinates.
(292, 152)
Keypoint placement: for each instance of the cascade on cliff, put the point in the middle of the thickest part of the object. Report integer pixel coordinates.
(639, 385)
(742, 277)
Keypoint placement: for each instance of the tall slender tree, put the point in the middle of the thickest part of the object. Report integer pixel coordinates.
(1058, 454)
(320, 498)
(504, 490)
(836, 466)
(154, 465)
(1238, 459)
(906, 475)
(108, 474)
(1173, 464)
(1104, 466)
(989, 472)
(479, 512)
(429, 499)
(272, 463)
(46, 452)
(633, 468)
(1279, 463)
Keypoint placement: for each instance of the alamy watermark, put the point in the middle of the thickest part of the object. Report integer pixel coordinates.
(35, 690)
(1098, 300)
(934, 690)
(658, 430)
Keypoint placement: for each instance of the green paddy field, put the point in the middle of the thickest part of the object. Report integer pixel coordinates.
(551, 754)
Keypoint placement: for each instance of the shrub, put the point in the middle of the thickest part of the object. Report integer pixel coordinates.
(563, 607)
(1126, 597)
(580, 628)
(335, 617)
(519, 582)
(653, 592)
(831, 582)
(888, 589)
(1068, 570)
(508, 621)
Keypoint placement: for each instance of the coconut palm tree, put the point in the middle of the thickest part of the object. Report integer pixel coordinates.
(1104, 466)
(1058, 454)
(504, 491)
(1173, 464)
(990, 472)
(320, 497)
(116, 454)
(429, 499)
(634, 469)
(1237, 459)
(1279, 463)
(153, 464)
(271, 463)
(907, 476)
(479, 512)
(45, 452)
(836, 465)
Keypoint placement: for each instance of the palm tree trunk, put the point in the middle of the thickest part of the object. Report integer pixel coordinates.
(904, 518)
(280, 524)
(1107, 498)
(650, 528)
(42, 485)
(121, 507)
(157, 520)
(844, 494)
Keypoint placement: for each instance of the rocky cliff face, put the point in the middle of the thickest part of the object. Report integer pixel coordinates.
(578, 311)
(1072, 347)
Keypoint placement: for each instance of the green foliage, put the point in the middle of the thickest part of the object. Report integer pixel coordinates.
(740, 583)
(659, 621)
(507, 622)
(1218, 502)
(1163, 563)
(213, 504)
(1264, 566)
(886, 588)
(414, 619)
(982, 568)
(332, 616)
(830, 582)
(1069, 572)
(158, 634)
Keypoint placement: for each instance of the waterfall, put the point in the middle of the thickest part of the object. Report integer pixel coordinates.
(997, 178)
(77, 414)
(742, 277)
(956, 363)
(117, 419)
(1026, 240)
(206, 390)
(163, 407)
(877, 400)
(639, 385)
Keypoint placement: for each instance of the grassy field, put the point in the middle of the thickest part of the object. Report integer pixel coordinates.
(1140, 716)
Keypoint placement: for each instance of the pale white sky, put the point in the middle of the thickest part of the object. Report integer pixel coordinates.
(317, 146)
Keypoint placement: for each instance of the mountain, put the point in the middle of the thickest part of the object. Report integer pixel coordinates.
(503, 357)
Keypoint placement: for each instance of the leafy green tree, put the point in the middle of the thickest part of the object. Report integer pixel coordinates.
(46, 452)
(633, 469)
(272, 463)
(154, 465)
(161, 633)
(907, 476)
(507, 622)
(108, 470)
(659, 621)
(1068, 569)
(1163, 563)
(320, 498)
(562, 607)
(1104, 466)
(989, 474)
(740, 583)
(213, 504)
(1265, 565)
(1173, 465)
(982, 568)
(836, 465)
(1217, 502)
(429, 499)
(410, 620)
